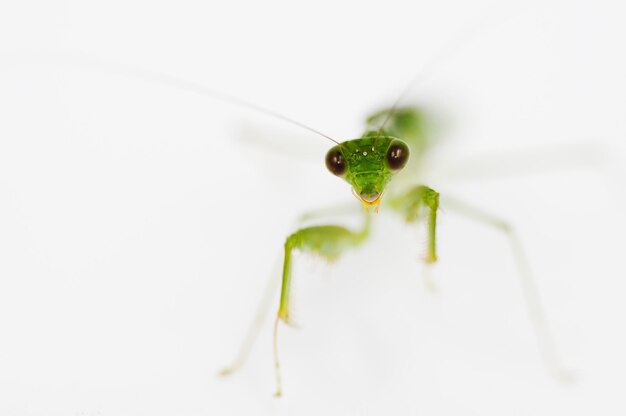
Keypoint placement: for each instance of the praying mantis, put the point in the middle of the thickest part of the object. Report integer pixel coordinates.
(382, 169)
(120, 187)
(393, 144)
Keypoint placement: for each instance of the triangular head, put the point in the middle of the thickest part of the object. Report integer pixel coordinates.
(368, 164)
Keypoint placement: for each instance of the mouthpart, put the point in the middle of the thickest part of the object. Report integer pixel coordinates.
(369, 198)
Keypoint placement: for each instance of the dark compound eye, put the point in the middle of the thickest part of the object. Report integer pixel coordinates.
(335, 162)
(397, 155)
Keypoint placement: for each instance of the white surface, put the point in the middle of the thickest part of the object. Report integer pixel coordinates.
(137, 230)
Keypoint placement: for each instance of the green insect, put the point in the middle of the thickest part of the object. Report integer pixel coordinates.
(368, 164)
(380, 166)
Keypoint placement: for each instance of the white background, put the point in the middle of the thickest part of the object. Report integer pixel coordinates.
(139, 223)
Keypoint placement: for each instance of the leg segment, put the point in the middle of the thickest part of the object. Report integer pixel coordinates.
(328, 241)
(263, 308)
(532, 297)
(411, 204)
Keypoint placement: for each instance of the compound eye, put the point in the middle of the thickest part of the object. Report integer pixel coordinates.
(397, 155)
(335, 162)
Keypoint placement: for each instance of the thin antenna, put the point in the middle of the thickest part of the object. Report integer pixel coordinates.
(169, 80)
(450, 48)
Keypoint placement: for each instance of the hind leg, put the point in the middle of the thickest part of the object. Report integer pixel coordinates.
(532, 297)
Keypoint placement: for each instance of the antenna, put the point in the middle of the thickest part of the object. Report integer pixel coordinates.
(174, 82)
(444, 54)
